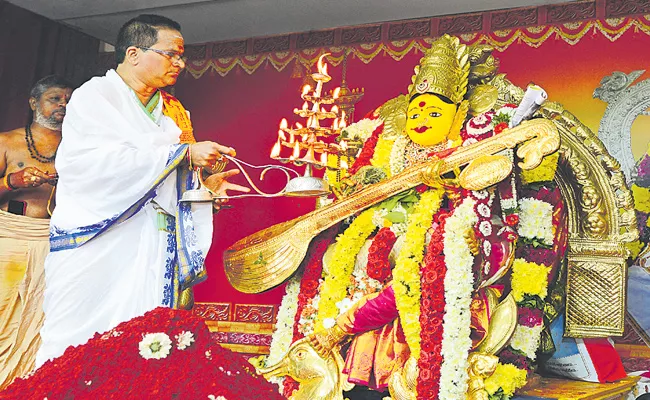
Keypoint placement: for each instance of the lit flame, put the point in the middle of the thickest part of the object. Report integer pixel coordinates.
(344, 145)
(323, 158)
(344, 164)
(322, 68)
(304, 106)
(336, 93)
(343, 115)
(296, 151)
(281, 135)
(314, 108)
(322, 109)
(298, 125)
(284, 124)
(291, 137)
(275, 151)
(335, 125)
(306, 89)
(343, 124)
(335, 109)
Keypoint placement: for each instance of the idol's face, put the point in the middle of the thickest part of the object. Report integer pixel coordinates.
(161, 63)
(429, 120)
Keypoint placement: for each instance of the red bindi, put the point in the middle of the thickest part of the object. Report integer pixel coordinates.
(422, 104)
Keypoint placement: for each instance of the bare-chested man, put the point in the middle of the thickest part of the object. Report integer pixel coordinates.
(27, 177)
(27, 154)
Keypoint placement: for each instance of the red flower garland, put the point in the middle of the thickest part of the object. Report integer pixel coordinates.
(367, 151)
(313, 270)
(432, 311)
(378, 265)
(109, 366)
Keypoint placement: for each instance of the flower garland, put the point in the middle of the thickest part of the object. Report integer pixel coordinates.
(381, 158)
(529, 278)
(456, 341)
(164, 354)
(406, 274)
(378, 267)
(283, 333)
(397, 162)
(504, 381)
(432, 305)
(536, 222)
(543, 172)
(334, 288)
(363, 129)
(367, 151)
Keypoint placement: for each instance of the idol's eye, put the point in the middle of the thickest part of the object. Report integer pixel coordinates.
(435, 114)
(415, 116)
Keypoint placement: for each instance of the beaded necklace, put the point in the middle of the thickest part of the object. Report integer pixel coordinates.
(31, 146)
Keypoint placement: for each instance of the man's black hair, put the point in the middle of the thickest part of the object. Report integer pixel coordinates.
(48, 82)
(141, 31)
(42, 86)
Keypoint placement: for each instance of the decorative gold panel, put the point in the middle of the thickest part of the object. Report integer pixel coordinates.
(596, 281)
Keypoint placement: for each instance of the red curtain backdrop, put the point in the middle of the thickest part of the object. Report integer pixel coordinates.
(243, 109)
(32, 47)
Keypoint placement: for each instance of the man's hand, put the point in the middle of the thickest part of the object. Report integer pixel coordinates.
(219, 185)
(29, 177)
(208, 154)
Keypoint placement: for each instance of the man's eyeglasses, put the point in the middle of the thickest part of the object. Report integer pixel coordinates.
(172, 55)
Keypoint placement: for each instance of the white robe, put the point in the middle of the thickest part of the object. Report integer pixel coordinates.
(111, 156)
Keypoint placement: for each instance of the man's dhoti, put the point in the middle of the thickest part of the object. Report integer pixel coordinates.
(24, 243)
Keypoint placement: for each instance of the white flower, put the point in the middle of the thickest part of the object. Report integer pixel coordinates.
(184, 340)
(155, 345)
(212, 397)
(344, 305)
(363, 129)
(527, 339)
(459, 278)
(483, 210)
(283, 334)
(378, 217)
(536, 220)
(328, 323)
(208, 355)
(485, 227)
(399, 228)
(88, 383)
(487, 248)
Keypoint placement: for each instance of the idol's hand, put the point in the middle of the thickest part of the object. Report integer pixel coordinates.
(208, 154)
(28, 177)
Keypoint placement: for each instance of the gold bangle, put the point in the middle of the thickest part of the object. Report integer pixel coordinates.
(8, 185)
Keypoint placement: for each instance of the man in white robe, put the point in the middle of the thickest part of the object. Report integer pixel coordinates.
(121, 243)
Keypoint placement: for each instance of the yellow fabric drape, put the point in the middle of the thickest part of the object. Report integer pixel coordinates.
(24, 244)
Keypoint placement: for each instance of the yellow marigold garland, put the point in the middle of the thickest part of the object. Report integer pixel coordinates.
(406, 274)
(338, 277)
(506, 377)
(381, 157)
(544, 172)
(529, 278)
